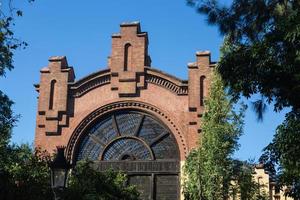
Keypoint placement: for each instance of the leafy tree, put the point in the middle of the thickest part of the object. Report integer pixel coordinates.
(8, 43)
(28, 175)
(285, 151)
(243, 186)
(261, 54)
(208, 168)
(88, 184)
(261, 50)
(7, 151)
(7, 121)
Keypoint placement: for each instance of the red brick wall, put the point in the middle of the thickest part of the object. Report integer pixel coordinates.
(174, 101)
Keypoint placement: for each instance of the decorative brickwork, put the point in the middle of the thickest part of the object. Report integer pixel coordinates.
(128, 59)
(131, 105)
(53, 111)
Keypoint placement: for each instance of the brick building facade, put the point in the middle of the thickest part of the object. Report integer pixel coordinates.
(129, 116)
(113, 114)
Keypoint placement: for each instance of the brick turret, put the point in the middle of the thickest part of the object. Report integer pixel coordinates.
(199, 83)
(128, 59)
(53, 97)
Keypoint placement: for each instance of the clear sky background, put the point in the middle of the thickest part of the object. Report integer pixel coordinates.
(81, 30)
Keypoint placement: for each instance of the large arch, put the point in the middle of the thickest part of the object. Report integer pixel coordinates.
(128, 136)
(88, 121)
(103, 136)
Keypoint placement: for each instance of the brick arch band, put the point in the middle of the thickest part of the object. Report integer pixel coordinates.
(141, 106)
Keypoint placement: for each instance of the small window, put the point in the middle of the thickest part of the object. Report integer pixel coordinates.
(127, 57)
(52, 94)
(202, 88)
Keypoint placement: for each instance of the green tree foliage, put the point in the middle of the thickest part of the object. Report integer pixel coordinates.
(208, 168)
(7, 121)
(243, 186)
(261, 54)
(285, 151)
(27, 175)
(8, 42)
(85, 183)
(262, 47)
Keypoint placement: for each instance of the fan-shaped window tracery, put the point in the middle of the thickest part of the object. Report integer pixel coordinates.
(131, 135)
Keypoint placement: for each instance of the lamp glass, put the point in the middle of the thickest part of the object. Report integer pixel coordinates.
(59, 178)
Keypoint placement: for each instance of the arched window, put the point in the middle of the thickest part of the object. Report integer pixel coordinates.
(129, 134)
(138, 144)
(202, 88)
(127, 57)
(52, 94)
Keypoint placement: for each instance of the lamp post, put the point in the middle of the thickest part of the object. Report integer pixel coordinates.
(59, 172)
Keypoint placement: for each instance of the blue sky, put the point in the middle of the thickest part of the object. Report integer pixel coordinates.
(81, 30)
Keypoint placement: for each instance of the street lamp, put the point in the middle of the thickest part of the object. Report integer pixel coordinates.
(59, 172)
